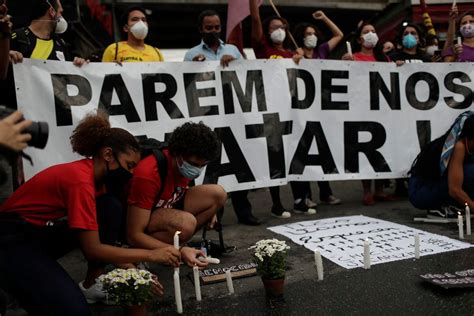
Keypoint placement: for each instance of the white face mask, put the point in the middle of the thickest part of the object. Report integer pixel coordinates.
(310, 41)
(430, 50)
(278, 36)
(139, 30)
(370, 40)
(467, 30)
(61, 25)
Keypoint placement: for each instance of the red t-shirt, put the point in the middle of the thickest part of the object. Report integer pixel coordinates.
(263, 50)
(61, 190)
(146, 183)
(363, 57)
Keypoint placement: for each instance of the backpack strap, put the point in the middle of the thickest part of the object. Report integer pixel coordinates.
(116, 51)
(162, 169)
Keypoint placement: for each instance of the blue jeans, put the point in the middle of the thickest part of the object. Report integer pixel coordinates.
(428, 194)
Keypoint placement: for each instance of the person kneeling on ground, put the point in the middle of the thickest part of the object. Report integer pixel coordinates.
(157, 210)
(442, 175)
(55, 211)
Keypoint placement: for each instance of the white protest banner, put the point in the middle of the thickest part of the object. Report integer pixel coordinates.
(341, 240)
(278, 121)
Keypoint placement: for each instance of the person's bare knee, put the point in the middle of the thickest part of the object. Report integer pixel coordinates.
(220, 196)
(188, 227)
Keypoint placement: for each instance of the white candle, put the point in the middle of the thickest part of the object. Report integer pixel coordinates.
(176, 244)
(230, 285)
(454, 3)
(417, 246)
(176, 239)
(197, 285)
(318, 261)
(177, 292)
(366, 254)
(459, 40)
(460, 226)
(209, 260)
(468, 220)
(349, 48)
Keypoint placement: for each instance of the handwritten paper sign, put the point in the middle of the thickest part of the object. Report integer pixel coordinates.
(451, 280)
(214, 275)
(341, 239)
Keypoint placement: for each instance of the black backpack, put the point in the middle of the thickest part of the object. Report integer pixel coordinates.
(426, 164)
(151, 146)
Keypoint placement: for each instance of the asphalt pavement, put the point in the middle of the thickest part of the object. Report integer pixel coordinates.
(393, 288)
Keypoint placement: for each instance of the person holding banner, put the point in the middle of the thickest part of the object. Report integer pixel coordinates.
(40, 40)
(269, 41)
(307, 36)
(411, 39)
(211, 46)
(55, 211)
(160, 202)
(463, 50)
(368, 48)
(442, 175)
(134, 23)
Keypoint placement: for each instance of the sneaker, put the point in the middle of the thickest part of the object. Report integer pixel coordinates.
(93, 294)
(447, 212)
(303, 208)
(331, 200)
(280, 212)
(310, 203)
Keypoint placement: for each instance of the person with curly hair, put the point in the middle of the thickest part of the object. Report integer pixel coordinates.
(55, 211)
(157, 210)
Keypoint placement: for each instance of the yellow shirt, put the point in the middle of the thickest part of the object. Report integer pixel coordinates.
(127, 53)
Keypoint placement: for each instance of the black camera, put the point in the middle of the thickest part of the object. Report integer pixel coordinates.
(39, 131)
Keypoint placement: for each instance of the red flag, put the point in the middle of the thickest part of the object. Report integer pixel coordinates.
(237, 11)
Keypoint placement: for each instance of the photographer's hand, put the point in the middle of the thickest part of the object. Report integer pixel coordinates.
(11, 135)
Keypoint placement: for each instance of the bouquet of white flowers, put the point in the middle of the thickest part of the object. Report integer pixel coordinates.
(128, 287)
(270, 257)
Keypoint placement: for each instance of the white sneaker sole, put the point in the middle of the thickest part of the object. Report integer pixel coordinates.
(311, 211)
(283, 215)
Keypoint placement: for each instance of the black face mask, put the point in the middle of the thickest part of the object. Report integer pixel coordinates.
(115, 180)
(211, 38)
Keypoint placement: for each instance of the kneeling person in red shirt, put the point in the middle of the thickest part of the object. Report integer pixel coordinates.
(157, 210)
(33, 236)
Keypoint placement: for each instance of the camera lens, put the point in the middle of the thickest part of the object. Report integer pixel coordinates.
(39, 134)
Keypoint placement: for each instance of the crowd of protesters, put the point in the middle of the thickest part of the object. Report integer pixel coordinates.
(69, 205)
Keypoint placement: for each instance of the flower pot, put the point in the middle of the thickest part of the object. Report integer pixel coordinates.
(273, 288)
(136, 310)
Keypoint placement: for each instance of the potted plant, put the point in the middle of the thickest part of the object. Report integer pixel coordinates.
(131, 288)
(270, 257)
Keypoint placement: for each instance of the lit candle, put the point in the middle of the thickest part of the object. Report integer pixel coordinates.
(366, 254)
(417, 246)
(230, 285)
(468, 220)
(349, 48)
(176, 244)
(197, 285)
(319, 265)
(177, 292)
(454, 4)
(209, 260)
(460, 226)
(176, 239)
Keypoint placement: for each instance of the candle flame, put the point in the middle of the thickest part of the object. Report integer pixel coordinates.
(459, 213)
(177, 232)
